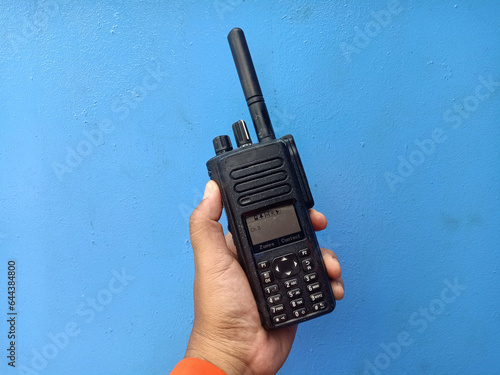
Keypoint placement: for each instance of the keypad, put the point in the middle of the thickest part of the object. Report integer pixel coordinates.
(319, 306)
(291, 283)
(286, 265)
(279, 319)
(271, 289)
(267, 277)
(263, 265)
(298, 313)
(304, 252)
(316, 296)
(277, 309)
(297, 303)
(307, 264)
(286, 297)
(274, 299)
(313, 287)
(293, 293)
(310, 277)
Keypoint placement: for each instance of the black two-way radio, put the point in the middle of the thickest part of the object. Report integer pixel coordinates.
(266, 197)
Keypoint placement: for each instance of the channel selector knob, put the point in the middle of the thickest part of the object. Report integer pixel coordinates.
(222, 144)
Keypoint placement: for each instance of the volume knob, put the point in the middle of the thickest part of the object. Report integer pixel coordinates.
(222, 144)
(241, 134)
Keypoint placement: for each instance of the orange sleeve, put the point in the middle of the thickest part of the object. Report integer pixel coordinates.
(194, 366)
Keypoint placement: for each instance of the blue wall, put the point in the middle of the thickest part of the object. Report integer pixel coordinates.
(107, 112)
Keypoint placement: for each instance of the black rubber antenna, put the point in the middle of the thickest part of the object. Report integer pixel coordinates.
(250, 85)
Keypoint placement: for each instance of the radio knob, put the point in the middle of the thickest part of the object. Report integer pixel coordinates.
(241, 134)
(222, 144)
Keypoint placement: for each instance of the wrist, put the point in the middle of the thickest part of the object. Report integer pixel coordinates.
(217, 353)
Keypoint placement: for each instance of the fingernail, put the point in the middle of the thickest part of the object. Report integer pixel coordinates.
(209, 189)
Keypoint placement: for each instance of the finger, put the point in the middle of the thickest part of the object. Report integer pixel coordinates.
(338, 288)
(318, 220)
(332, 264)
(207, 236)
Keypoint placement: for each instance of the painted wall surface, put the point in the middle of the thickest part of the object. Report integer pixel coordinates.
(107, 114)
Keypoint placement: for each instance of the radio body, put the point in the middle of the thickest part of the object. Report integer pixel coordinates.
(266, 197)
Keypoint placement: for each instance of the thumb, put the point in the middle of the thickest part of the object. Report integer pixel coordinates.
(207, 235)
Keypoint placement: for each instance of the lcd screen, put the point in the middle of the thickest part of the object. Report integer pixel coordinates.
(273, 227)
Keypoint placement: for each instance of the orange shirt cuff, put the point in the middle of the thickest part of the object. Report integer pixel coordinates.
(192, 366)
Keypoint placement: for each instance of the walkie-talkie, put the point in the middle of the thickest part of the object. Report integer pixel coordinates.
(266, 197)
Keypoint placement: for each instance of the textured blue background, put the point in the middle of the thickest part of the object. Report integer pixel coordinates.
(151, 83)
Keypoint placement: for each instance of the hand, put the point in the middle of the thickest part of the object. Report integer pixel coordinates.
(227, 330)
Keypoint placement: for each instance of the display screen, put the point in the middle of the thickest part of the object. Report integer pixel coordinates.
(273, 227)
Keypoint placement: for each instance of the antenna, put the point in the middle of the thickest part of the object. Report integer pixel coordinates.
(250, 85)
